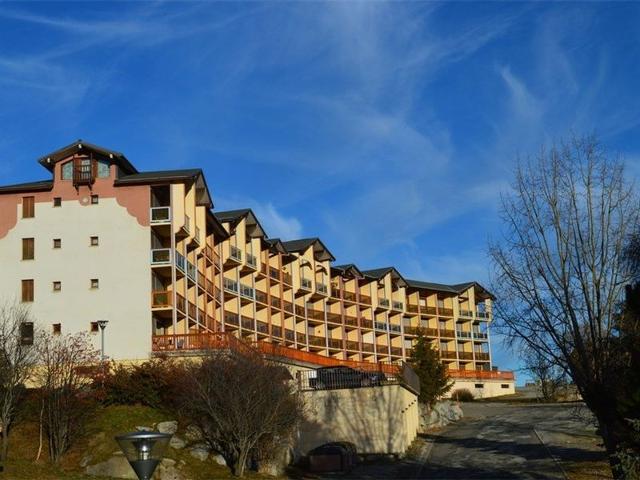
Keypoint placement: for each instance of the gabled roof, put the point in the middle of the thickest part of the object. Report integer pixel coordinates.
(216, 226)
(320, 251)
(172, 176)
(275, 245)
(378, 273)
(453, 289)
(49, 160)
(254, 229)
(40, 186)
(347, 269)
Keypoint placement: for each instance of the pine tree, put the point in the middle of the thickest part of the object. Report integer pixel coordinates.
(434, 381)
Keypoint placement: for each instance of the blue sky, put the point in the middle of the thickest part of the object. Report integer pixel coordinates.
(387, 129)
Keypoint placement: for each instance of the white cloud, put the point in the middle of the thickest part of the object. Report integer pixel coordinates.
(276, 224)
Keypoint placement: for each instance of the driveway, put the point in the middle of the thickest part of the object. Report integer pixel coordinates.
(497, 440)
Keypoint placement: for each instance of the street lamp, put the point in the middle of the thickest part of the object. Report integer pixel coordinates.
(144, 451)
(102, 324)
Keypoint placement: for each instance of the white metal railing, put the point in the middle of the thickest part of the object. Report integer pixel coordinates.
(383, 302)
(160, 256)
(191, 271)
(463, 334)
(305, 283)
(321, 288)
(480, 335)
(397, 305)
(466, 313)
(247, 291)
(180, 261)
(160, 214)
(230, 285)
(251, 260)
(380, 326)
(395, 328)
(235, 253)
(480, 314)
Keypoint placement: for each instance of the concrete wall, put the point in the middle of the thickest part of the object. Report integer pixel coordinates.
(490, 388)
(120, 262)
(380, 420)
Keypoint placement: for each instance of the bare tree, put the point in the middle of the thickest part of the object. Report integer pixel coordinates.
(560, 270)
(17, 358)
(65, 389)
(549, 376)
(239, 401)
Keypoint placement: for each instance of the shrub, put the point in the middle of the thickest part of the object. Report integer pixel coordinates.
(149, 383)
(462, 395)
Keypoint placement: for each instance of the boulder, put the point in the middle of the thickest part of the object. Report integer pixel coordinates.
(167, 470)
(200, 451)
(443, 413)
(176, 442)
(116, 467)
(193, 434)
(144, 429)
(219, 459)
(168, 427)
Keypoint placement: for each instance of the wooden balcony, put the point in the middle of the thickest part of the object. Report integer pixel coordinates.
(465, 355)
(447, 354)
(482, 356)
(335, 343)
(447, 333)
(481, 374)
(161, 299)
(445, 312)
(365, 299)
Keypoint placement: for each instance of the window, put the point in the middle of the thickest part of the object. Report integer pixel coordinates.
(94, 241)
(57, 243)
(57, 286)
(28, 248)
(26, 333)
(67, 171)
(57, 201)
(479, 385)
(57, 328)
(28, 207)
(95, 283)
(94, 327)
(27, 290)
(94, 199)
(504, 385)
(103, 169)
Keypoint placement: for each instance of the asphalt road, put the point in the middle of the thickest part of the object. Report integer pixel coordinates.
(503, 441)
(496, 441)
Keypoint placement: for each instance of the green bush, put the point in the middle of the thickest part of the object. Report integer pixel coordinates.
(462, 395)
(149, 383)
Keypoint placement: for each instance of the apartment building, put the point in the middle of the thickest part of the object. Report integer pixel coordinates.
(147, 252)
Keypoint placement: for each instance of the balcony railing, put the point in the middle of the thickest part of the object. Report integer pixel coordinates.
(412, 308)
(276, 303)
(463, 334)
(235, 253)
(317, 341)
(83, 173)
(305, 284)
(397, 305)
(395, 328)
(251, 260)
(262, 297)
(482, 356)
(160, 214)
(231, 318)
(181, 303)
(351, 345)
(466, 313)
(187, 224)
(335, 343)
(300, 311)
(315, 314)
(366, 299)
(428, 310)
(301, 337)
(274, 273)
(380, 326)
(368, 347)
(465, 355)
(262, 327)
(230, 285)
(447, 312)
(383, 302)
(196, 236)
(247, 292)
(481, 374)
(276, 331)
(447, 333)
(447, 354)
(247, 323)
(352, 321)
(286, 278)
(160, 256)
(334, 318)
(192, 310)
(480, 335)
(191, 271)
(321, 288)
(289, 335)
(288, 306)
(366, 323)
(180, 261)
(349, 296)
(396, 351)
(484, 315)
(161, 298)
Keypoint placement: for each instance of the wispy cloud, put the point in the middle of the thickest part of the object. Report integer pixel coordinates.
(278, 225)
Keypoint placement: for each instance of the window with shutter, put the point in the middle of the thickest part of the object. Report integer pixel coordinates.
(28, 207)
(26, 333)
(27, 290)
(28, 250)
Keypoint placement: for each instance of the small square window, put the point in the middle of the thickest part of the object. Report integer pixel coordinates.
(57, 328)
(504, 385)
(479, 385)
(57, 286)
(57, 243)
(95, 283)
(94, 327)
(94, 199)
(57, 201)
(95, 241)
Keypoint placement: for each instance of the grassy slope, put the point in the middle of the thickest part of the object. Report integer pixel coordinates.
(99, 443)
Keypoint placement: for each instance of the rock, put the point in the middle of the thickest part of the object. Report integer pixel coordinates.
(144, 429)
(201, 452)
(115, 467)
(167, 471)
(168, 427)
(177, 443)
(442, 413)
(193, 434)
(219, 459)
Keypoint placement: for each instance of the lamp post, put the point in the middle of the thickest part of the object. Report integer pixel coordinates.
(144, 451)
(102, 324)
